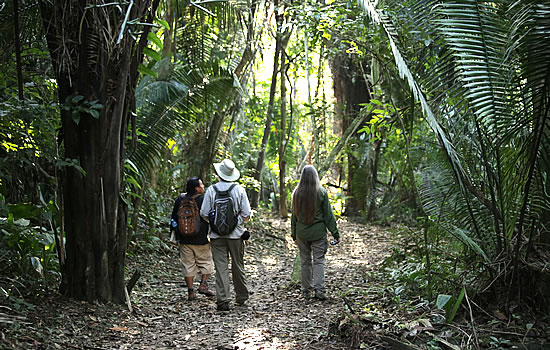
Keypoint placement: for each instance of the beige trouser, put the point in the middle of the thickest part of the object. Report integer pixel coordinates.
(316, 270)
(222, 248)
(195, 259)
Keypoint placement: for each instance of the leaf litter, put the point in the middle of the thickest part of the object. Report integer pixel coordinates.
(360, 313)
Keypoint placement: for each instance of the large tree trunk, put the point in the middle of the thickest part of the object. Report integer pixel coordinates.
(350, 90)
(93, 61)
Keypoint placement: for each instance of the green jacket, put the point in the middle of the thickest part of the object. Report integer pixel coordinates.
(324, 219)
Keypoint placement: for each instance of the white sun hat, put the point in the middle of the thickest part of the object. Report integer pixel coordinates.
(226, 170)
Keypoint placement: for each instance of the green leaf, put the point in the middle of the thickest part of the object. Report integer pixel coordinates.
(376, 102)
(146, 71)
(77, 99)
(94, 113)
(442, 300)
(24, 210)
(76, 117)
(132, 180)
(152, 54)
(155, 39)
(177, 167)
(450, 317)
(163, 23)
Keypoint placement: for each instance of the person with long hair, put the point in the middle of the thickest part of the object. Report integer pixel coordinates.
(311, 217)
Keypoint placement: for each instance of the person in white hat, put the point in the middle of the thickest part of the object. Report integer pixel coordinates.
(231, 243)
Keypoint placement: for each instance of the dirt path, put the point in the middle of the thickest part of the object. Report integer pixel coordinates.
(277, 317)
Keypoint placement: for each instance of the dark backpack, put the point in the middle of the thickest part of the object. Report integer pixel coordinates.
(189, 220)
(222, 217)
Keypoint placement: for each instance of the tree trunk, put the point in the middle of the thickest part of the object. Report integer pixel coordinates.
(95, 61)
(269, 117)
(17, 37)
(210, 151)
(283, 206)
(350, 90)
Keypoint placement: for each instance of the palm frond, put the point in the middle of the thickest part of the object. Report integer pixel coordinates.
(190, 93)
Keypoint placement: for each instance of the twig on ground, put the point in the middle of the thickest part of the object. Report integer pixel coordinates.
(167, 282)
(128, 301)
(348, 304)
(471, 318)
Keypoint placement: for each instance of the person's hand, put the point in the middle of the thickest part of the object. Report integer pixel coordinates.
(334, 242)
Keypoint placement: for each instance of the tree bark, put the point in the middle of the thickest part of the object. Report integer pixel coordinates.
(17, 37)
(283, 206)
(95, 60)
(350, 90)
(269, 117)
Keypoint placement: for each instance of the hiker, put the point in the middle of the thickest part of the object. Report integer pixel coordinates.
(311, 217)
(194, 247)
(227, 232)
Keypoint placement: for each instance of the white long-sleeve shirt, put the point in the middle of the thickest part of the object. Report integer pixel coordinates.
(241, 206)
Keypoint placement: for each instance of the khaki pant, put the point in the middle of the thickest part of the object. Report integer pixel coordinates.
(316, 270)
(222, 249)
(195, 259)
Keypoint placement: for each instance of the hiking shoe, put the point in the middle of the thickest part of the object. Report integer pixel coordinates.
(203, 289)
(307, 294)
(223, 307)
(191, 294)
(320, 295)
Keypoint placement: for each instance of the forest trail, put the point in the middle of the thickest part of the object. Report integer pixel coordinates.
(276, 317)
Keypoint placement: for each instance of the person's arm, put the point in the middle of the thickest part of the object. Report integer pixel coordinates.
(245, 210)
(175, 212)
(206, 203)
(328, 215)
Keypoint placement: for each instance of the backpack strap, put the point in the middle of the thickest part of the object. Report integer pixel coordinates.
(228, 190)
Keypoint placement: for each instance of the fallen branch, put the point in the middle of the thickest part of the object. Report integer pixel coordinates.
(398, 345)
(133, 280)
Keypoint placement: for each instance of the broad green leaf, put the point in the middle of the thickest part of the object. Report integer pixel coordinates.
(442, 300)
(155, 39)
(146, 71)
(152, 54)
(163, 23)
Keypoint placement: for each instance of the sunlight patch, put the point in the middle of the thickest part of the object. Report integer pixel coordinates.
(270, 261)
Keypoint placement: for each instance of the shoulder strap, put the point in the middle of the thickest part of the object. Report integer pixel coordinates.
(215, 189)
(231, 187)
(195, 195)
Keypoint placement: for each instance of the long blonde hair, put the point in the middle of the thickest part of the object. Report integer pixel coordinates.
(304, 198)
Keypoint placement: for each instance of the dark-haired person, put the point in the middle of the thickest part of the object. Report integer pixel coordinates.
(311, 217)
(195, 253)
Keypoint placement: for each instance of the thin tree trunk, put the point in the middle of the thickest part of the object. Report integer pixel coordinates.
(17, 37)
(283, 207)
(269, 117)
(210, 150)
